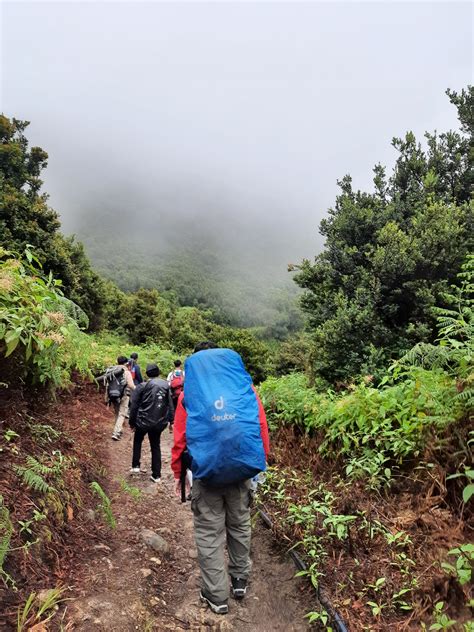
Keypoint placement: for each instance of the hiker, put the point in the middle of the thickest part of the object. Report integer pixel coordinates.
(176, 381)
(221, 423)
(118, 394)
(176, 372)
(150, 412)
(134, 369)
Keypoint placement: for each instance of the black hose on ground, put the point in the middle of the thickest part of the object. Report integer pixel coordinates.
(301, 566)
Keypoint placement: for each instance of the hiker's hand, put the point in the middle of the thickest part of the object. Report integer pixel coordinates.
(187, 488)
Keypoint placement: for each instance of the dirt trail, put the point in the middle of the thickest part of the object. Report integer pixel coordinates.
(122, 584)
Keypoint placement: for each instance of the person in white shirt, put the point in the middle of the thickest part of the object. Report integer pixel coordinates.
(176, 372)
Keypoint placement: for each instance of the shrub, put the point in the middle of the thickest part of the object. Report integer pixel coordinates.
(38, 324)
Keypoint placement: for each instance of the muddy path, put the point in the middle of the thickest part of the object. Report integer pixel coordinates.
(120, 583)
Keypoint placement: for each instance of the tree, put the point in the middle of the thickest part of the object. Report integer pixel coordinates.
(26, 219)
(145, 317)
(189, 326)
(254, 352)
(390, 255)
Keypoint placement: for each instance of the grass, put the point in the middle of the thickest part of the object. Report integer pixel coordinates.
(35, 612)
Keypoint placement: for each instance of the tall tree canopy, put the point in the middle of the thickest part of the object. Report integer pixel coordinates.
(391, 254)
(26, 218)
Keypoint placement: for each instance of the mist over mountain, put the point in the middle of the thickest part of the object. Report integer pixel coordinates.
(197, 146)
(208, 260)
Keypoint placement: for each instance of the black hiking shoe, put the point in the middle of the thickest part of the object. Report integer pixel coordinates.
(239, 587)
(216, 606)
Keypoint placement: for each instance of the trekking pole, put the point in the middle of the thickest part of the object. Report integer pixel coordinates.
(185, 465)
(182, 480)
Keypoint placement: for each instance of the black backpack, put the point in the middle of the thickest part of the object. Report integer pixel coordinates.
(115, 383)
(154, 408)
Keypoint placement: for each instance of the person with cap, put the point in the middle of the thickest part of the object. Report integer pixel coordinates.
(150, 412)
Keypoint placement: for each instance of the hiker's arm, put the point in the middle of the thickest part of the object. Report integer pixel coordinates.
(135, 401)
(263, 425)
(179, 432)
(129, 379)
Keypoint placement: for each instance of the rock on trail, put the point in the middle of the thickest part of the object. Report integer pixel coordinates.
(155, 541)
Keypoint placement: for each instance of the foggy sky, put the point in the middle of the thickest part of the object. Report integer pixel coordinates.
(234, 119)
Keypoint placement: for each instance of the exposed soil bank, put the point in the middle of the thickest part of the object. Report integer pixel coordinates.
(398, 535)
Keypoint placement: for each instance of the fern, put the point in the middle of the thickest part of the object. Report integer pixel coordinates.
(105, 506)
(44, 433)
(455, 349)
(6, 530)
(42, 469)
(37, 467)
(427, 356)
(32, 479)
(133, 491)
(35, 472)
(467, 397)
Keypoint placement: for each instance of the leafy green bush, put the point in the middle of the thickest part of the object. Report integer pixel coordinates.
(420, 396)
(455, 351)
(368, 425)
(290, 400)
(38, 323)
(395, 419)
(105, 348)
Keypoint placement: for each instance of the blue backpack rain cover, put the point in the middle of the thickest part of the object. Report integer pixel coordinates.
(222, 427)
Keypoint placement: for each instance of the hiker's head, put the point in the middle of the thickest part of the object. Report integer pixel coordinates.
(122, 360)
(203, 346)
(134, 356)
(152, 370)
(177, 363)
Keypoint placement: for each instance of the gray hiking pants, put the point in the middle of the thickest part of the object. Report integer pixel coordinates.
(221, 514)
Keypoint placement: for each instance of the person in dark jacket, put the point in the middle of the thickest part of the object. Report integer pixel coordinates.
(151, 411)
(134, 369)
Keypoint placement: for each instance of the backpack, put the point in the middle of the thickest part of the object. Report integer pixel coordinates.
(132, 368)
(176, 384)
(223, 425)
(115, 383)
(154, 409)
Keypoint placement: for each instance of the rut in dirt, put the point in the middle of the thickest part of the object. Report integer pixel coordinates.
(120, 583)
